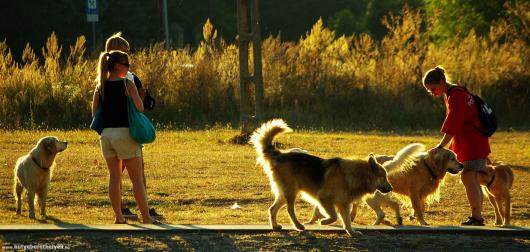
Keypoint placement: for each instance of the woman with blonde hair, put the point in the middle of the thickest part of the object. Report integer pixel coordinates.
(462, 128)
(117, 42)
(116, 142)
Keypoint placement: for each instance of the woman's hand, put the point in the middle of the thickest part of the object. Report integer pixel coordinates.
(445, 140)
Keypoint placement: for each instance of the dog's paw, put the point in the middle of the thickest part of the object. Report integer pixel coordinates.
(327, 221)
(299, 227)
(353, 233)
(399, 221)
(277, 227)
(44, 217)
(423, 223)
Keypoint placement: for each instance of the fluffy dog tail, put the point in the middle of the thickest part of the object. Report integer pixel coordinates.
(262, 139)
(404, 156)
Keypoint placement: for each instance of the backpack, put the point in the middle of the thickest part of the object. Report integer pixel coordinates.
(485, 114)
(149, 101)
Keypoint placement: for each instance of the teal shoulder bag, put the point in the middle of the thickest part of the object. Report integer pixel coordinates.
(141, 128)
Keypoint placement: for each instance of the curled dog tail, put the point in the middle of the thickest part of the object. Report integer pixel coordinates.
(404, 156)
(262, 138)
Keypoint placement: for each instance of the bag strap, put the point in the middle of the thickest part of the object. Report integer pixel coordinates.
(126, 90)
(476, 105)
(456, 86)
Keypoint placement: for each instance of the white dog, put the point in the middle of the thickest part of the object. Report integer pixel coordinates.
(33, 173)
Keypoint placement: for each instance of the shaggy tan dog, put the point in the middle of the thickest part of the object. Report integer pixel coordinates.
(33, 173)
(403, 157)
(497, 180)
(328, 183)
(417, 181)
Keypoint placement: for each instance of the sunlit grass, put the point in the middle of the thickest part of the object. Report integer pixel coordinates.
(195, 176)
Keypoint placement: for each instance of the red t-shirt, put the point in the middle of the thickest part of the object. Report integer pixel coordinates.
(460, 117)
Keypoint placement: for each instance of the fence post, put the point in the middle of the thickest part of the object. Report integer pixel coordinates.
(245, 78)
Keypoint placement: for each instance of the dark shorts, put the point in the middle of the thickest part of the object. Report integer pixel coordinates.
(475, 165)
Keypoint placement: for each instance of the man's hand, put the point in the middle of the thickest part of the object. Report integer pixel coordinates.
(142, 92)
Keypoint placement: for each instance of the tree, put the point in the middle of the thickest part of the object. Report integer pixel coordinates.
(343, 22)
(456, 18)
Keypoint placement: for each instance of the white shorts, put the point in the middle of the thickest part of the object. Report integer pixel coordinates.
(117, 142)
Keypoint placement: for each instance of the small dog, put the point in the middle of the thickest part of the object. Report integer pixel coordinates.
(33, 173)
(328, 183)
(418, 181)
(496, 182)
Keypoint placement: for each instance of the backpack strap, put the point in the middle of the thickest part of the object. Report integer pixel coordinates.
(456, 86)
(472, 96)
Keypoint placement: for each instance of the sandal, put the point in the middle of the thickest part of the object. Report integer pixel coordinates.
(471, 221)
(127, 214)
(153, 213)
(156, 222)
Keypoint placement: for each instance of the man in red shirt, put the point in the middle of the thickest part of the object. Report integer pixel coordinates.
(462, 126)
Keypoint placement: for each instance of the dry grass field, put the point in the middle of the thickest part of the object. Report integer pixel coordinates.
(194, 177)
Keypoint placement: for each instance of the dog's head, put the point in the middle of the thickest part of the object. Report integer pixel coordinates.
(381, 179)
(52, 144)
(444, 160)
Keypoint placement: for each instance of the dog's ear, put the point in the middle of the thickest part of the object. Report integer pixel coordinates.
(373, 163)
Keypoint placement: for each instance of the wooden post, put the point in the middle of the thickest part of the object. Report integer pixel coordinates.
(256, 46)
(245, 78)
(242, 27)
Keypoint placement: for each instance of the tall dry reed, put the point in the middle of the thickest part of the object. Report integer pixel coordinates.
(320, 81)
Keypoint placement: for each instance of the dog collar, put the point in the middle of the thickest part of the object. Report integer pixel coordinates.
(37, 163)
(433, 176)
(491, 181)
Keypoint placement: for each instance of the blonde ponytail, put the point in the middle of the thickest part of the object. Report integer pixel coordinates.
(103, 72)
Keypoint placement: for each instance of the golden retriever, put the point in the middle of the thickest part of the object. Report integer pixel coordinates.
(404, 156)
(417, 181)
(496, 181)
(33, 173)
(328, 183)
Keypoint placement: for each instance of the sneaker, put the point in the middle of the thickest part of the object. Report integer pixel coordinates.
(473, 222)
(126, 212)
(153, 213)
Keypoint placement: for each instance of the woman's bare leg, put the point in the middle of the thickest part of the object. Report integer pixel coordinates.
(115, 187)
(134, 168)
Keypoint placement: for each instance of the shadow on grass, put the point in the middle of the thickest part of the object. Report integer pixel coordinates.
(53, 220)
(268, 241)
(214, 202)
